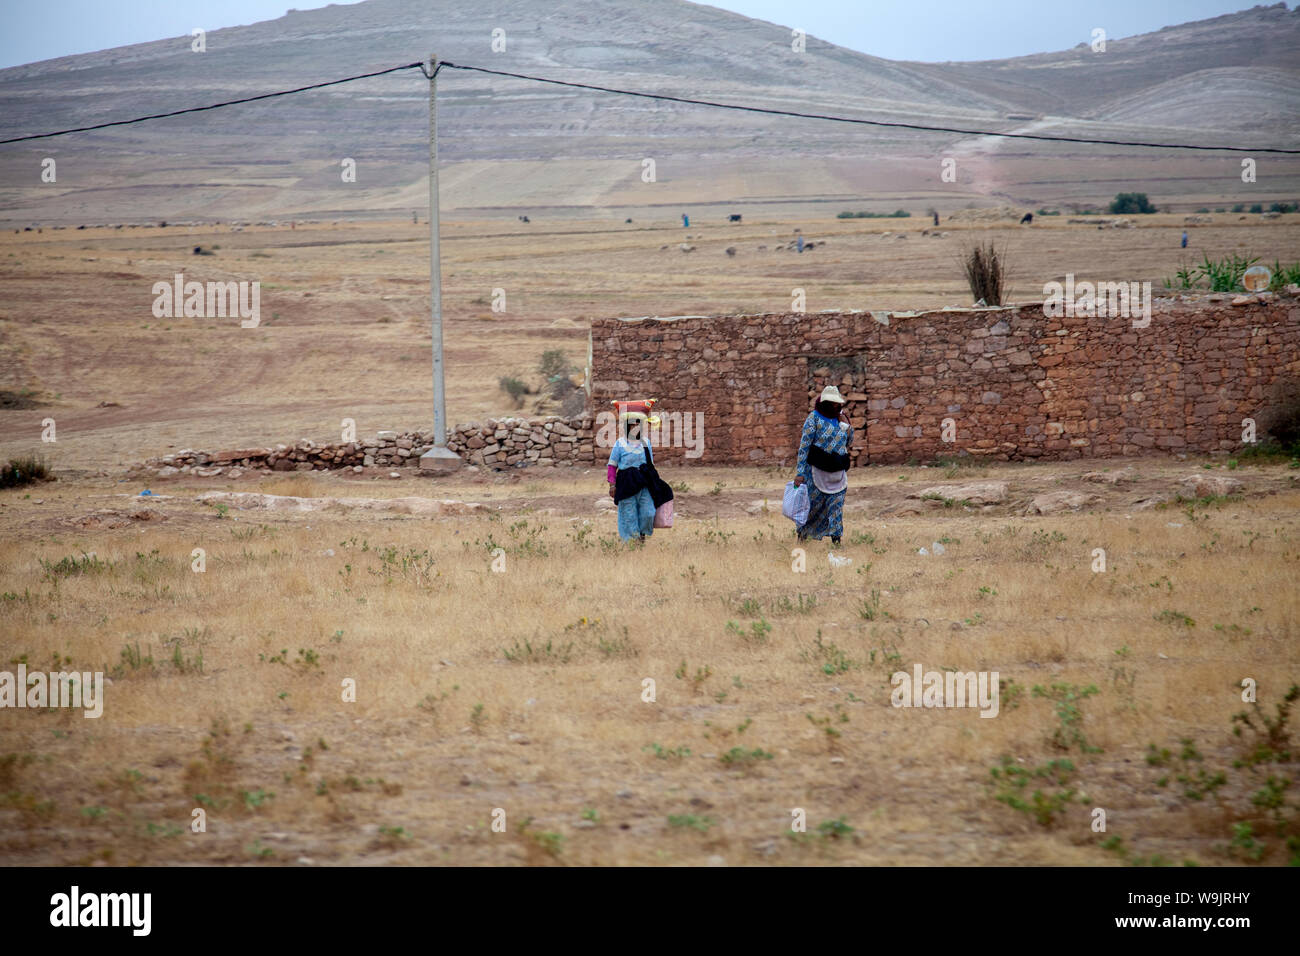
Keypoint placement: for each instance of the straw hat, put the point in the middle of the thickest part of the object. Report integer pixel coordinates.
(831, 394)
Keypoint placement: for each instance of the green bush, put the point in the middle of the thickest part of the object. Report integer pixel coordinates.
(1284, 275)
(1225, 274)
(514, 388)
(555, 371)
(554, 364)
(1252, 794)
(1127, 204)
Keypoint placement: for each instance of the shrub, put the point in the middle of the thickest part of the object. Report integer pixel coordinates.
(1250, 793)
(25, 471)
(1127, 204)
(1225, 274)
(1011, 785)
(985, 267)
(1284, 275)
(514, 388)
(896, 214)
(554, 368)
(555, 371)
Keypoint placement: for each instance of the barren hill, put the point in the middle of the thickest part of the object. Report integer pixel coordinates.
(1233, 77)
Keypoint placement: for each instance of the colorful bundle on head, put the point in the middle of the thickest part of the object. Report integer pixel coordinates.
(636, 411)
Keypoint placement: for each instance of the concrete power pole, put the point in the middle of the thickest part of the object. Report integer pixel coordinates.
(439, 457)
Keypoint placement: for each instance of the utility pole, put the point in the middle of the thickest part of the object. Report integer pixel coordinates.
(439, 457)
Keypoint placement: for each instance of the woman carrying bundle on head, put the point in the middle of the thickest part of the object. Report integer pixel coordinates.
(634, 484)
(823, 466)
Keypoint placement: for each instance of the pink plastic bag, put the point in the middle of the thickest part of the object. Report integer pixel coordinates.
(664, 515)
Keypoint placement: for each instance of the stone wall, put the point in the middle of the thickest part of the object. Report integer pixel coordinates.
(1016, 383)
(520, 442)
(498, 444)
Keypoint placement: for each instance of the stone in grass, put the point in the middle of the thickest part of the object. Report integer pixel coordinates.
(1111, 477)
(1210, 486)
(1054, 501)
(975, 493)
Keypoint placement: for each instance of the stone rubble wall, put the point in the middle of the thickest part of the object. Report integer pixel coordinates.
(496, 444)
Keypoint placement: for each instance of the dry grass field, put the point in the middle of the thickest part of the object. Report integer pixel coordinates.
(522, 689)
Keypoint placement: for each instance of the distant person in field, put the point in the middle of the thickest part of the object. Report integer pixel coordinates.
(686, 221)
(936, 219)
(1184, 238)
(634, 484)
(823, 466)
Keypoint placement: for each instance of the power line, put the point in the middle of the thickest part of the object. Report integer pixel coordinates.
(771, 111)
(867, 122)
(214, 106)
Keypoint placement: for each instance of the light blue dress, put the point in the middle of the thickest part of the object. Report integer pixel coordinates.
(636, 515)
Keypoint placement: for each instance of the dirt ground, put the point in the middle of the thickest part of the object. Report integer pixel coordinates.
(354, 683)
(344, 327)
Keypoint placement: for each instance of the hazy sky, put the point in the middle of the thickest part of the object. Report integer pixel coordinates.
(896, 29)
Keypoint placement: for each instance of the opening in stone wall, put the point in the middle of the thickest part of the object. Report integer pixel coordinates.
(848, 373)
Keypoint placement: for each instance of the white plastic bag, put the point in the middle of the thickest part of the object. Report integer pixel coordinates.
(794, 505)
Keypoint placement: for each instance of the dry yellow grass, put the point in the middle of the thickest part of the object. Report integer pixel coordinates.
(522, 690)
(412, 770)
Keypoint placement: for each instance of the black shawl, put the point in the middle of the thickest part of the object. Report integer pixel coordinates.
(628, 482)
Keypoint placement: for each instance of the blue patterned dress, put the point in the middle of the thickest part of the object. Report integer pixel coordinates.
(826, 509)
(636, 514)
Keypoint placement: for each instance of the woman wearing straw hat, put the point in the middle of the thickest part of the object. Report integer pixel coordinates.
(634, 484)
(823, 465)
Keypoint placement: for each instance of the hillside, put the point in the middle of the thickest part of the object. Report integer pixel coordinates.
(1233, 77)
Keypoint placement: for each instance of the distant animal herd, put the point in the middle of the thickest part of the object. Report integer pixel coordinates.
(1027, 219)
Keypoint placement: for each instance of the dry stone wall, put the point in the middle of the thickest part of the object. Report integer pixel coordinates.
(498, 444)
(1016, 383)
